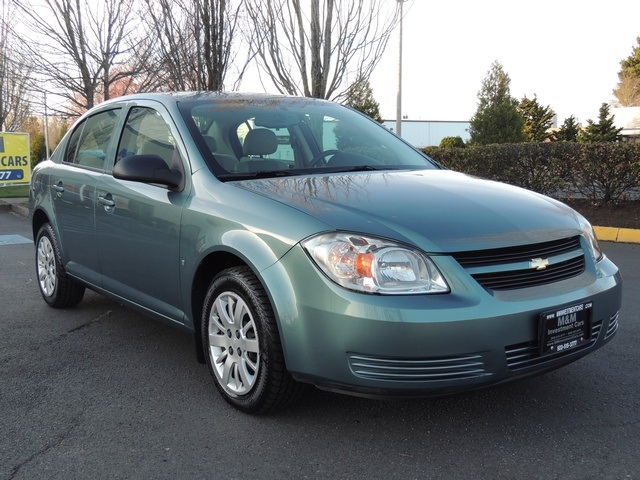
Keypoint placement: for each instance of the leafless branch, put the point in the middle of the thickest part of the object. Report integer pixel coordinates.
(15, 75)
(81, 48)
(311, 48)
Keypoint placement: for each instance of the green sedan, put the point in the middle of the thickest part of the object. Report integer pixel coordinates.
(300, 243)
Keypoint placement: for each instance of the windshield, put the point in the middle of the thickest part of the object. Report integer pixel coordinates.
(270, 136)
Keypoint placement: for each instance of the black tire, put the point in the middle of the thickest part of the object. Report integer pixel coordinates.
(57, 288)
(242, 345)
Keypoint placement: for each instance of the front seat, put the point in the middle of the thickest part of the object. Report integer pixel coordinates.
(257, 143)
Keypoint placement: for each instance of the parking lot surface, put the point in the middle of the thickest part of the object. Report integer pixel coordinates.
(100, 391)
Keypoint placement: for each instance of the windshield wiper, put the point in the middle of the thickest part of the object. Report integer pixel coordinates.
(230, 177)
(366, 168)
(258, 174)
(353, 168)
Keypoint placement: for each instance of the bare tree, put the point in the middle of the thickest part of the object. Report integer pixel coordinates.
(82, 47)
(15, 75)
(311, 47)
(170, 37)
(194, 42)
(219, 21)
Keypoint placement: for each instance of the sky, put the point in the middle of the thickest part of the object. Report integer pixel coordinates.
(566, 52)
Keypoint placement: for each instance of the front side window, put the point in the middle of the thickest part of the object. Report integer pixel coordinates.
(89, 142)
(147, 133)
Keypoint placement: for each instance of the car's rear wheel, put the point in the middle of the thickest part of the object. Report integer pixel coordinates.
(242, 345)
(57, 288)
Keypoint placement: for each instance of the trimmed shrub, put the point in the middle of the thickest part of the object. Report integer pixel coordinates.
(600, 172)
(607, 172)
(452, 142)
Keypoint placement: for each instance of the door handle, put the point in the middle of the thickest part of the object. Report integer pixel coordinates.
(58, 188)
(107, 201)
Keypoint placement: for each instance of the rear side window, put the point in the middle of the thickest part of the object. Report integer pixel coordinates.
(89, 141)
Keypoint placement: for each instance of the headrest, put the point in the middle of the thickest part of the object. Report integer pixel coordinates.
(260, 141)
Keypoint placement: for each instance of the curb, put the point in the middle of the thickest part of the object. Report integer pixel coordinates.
(605, 234)
(11, 205)
(622, 235)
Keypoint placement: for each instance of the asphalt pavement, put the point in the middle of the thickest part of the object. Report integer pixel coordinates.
(100, 391)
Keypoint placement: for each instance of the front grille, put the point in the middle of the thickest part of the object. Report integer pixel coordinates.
(524, 253)
(509, 269)
(527, 354)
(510, 280)
(417, 370)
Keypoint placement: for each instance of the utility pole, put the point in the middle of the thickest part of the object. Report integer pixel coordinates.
(46, 128)
(399, 97)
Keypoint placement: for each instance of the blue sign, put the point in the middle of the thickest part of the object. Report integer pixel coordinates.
(6, 175)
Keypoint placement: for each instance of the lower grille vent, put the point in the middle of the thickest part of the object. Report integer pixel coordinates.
(525, 355)
(613, 325)
(417, 370)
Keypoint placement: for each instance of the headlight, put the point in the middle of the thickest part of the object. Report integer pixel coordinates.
(590, 236)
(374, 265)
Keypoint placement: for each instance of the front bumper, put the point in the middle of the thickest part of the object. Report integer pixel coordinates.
(426, 345)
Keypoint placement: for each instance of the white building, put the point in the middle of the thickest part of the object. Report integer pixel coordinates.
(627, 118)
(427, 133)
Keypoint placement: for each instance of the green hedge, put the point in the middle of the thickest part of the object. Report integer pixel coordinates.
(600, 172)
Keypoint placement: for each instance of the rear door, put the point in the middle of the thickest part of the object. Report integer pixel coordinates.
(73, 182)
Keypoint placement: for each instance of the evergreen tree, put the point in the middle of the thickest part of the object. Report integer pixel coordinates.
(360, 97)
(537, 119)
(603, 131)
(497, 119)
(38, 149)
(631, 64)
(569, 131)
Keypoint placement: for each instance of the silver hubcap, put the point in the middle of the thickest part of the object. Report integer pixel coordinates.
(46, 266)
(233, 344)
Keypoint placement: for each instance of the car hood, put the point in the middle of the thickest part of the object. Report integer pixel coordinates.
(437, 210)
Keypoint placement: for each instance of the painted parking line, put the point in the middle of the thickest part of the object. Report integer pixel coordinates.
(13, 240)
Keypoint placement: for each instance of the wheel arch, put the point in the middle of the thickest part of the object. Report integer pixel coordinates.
(236, 248)
(209, 267)
(38, 219)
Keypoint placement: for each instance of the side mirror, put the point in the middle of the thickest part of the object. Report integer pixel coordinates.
(147, 169)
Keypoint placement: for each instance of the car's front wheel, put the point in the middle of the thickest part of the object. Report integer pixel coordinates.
(242, 345)
(57, 288)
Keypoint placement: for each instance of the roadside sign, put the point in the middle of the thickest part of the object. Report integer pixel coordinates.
(15, 158)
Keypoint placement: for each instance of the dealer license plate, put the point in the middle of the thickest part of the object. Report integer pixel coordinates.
(565, 328)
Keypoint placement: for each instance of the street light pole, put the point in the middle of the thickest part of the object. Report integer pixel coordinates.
(46, 128)
(399, 97)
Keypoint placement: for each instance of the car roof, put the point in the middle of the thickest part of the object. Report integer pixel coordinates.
(177, 97)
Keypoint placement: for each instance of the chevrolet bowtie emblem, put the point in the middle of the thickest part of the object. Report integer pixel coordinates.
(539, 263)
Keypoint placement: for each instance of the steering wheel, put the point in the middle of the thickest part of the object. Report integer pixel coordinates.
(318, 160)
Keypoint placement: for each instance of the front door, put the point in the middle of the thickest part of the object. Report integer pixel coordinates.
(138, 224)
